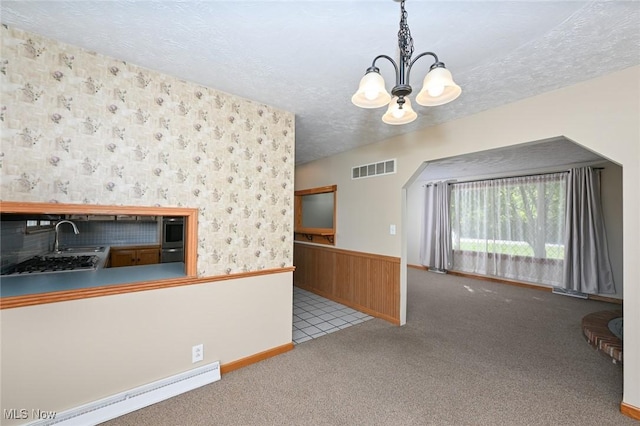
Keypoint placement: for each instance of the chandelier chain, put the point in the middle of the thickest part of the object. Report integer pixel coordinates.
(405, 41)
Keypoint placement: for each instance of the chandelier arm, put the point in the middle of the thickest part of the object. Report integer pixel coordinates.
(372, 94)
(395, 65)
(435, 57)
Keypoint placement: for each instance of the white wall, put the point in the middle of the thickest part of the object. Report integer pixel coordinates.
(415, 213)
(62, 355)
(612, 203)
(603, 114)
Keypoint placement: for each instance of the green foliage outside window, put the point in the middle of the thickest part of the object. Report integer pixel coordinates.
(514, 216)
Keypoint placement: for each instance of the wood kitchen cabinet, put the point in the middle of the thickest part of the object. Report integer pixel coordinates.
(132, 256)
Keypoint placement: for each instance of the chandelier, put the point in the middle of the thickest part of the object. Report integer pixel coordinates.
(438, 87)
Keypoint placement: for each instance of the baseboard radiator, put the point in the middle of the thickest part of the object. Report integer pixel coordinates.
(567, 292)
(117, 405)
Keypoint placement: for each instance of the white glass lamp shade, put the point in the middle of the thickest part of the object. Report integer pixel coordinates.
(371, 92)
(438, 88)
(396, 115)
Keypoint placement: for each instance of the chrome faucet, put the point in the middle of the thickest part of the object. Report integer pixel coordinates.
(56, 241)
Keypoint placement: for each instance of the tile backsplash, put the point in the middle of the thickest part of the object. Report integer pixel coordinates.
(110, 233)
(17, 245)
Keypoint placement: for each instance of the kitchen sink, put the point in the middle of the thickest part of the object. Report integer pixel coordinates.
(79, 249)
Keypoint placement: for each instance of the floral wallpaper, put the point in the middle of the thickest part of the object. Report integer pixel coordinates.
(79, 127)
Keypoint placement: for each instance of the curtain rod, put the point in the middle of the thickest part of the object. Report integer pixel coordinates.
(453, 182)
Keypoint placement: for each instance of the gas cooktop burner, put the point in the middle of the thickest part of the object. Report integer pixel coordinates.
(47, 264)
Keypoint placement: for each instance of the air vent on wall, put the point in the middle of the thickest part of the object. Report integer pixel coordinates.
(374, 169)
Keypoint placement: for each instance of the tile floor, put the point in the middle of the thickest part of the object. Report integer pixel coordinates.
(315, 316)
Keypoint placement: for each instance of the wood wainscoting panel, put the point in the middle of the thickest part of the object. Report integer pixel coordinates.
(364, 281)
(324, 271)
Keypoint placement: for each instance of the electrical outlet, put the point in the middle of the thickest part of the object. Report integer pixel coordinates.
(392, 229)
(197, 353)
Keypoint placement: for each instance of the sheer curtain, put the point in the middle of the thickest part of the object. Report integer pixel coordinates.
(435, 248)
(511, 228)
(587, 266)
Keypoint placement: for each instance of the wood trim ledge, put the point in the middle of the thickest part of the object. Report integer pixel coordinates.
(110, 290)
(352, 253)
(66, 208)
(630, 411)
(260, 356)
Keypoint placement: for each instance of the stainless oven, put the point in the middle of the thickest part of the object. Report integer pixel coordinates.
(172, 239)
(172, 255)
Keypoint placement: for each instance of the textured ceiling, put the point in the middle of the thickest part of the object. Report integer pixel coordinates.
(514, 160)
(307, 57)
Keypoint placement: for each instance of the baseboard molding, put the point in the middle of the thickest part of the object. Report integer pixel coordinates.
(630, 411)
(516, 283)
(243, 362)
(605, 299)
(486, 278)
(421, 267)
(352, 305)
(501, 281)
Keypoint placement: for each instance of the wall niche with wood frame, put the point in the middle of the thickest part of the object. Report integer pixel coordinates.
(315, 215)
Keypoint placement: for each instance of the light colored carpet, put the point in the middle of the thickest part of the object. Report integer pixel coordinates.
(472, 353)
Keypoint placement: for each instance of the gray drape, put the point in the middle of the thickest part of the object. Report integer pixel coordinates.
(435, 247)
(587, 268)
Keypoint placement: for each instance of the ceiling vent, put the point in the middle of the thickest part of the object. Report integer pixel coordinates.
(374, 169)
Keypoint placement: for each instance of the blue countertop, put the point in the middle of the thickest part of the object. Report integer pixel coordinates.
(21, 285)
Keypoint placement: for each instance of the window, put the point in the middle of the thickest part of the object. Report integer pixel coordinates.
(513, 228)
(39, 225)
